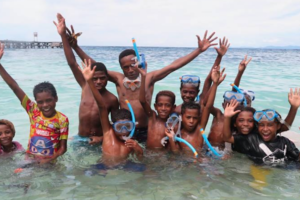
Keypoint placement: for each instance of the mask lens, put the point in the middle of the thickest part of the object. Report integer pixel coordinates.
(258, 115)
(270, 115)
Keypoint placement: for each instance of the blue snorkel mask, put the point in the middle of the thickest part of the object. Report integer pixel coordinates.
(126, 127)
(190, 79)
(229, 95)
(123, 126)
(268, 115)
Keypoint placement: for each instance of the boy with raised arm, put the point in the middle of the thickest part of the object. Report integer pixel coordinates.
(164, 105)
(89, 123)
(115, 149)
(216, 131)
(128, 84)
(48, 128)
(190, 84)
(190, 112)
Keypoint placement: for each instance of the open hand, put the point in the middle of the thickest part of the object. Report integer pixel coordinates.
(223, 47)
(204, 44)
(142, 71)
(244, 63)
(215, 75)
(61, 24)
(294, 98)
(1, 50)
(222, 76)
(72, 36)
(86, 70)
(170, 133)
(230, 108)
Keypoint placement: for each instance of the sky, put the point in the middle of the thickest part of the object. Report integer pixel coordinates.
(168, 23)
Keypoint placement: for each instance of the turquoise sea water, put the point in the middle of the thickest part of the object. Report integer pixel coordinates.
(270, 74)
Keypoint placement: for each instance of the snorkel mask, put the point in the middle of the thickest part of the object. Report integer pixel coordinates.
(190, 79)
(123, 126)
(268, 115)
(172, 121)
(229, 95)
(250, 93)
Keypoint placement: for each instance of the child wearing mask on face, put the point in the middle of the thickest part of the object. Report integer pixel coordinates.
(263, 146)
(7, 133)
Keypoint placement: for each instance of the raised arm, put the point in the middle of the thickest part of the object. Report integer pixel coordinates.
(144, 103)
(210, 102)
(294, 100)
(221, 51)
(61, 29)
(203, 45)
(242, 67)
(9, 80)
(88, 73)
(228, 113)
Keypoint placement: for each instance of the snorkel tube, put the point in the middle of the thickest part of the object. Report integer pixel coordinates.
(208, 143)
(142, 62)
(239, 91)
(178, 139)
(133, 120)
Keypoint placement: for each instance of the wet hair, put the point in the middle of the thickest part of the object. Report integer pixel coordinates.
(166, 93)
(125, 53)
(190, 105)
(242, 109)
(120, 114)
(9, 124)
(100, 67)
(44, 87)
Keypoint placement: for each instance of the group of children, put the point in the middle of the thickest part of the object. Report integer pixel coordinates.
(250, 132)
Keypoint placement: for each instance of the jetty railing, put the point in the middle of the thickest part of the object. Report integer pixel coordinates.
(30, 45)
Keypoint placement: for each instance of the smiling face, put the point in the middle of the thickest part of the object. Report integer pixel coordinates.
(244, 122)
(268, 129)
(100, 80)
(6, 135)
(188, 92)
(190, 119)
(128, 70)
(46, 103)
(164, 106)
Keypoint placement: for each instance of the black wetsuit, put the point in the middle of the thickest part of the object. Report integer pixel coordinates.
(249, 145)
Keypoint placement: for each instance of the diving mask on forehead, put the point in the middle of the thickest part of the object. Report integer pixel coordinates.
(228, 95)
(122, 127)
(268, 115)
(190, 79)
(250, 93)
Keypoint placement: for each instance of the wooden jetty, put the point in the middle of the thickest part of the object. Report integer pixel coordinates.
(30, 45)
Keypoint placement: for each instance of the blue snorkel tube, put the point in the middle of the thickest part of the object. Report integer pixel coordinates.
(133, 120)
(239, 91)
(208, 143)
(141, 61)
(178, 139)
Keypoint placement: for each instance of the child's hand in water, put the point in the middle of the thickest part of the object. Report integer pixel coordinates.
(1, 50)
(244, 63)
(215, 75)
(95, 140)
(223, 47)
(230, 108)
(294, 97)
(61, 25)
(204, 44)
(86, 70)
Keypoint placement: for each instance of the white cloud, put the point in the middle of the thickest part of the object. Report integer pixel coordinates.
(156, 22)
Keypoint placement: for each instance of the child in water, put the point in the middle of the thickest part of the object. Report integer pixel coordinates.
(115, 149)
(7, 133)
(263, 146)
(48, 128)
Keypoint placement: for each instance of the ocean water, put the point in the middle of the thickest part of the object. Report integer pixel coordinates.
(271, 74)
